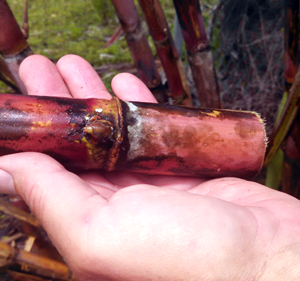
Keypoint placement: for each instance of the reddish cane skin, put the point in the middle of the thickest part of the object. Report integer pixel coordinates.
(141, 137)
(199, 54)
(54, 126)
(164, 44)
(192, 25)
(137, 42)
(197, 142)
(11, 37)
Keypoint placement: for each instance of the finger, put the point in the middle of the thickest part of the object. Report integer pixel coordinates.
(41, 78)
(128, 87)
(58, 198)
(81, 78)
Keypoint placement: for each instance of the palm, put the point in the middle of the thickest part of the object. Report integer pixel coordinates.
(226, 213)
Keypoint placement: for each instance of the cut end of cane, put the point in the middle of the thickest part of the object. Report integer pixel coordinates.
(263, 122)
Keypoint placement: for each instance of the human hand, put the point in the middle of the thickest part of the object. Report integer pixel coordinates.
(126, 226)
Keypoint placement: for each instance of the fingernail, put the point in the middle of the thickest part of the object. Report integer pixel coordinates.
(6, 183)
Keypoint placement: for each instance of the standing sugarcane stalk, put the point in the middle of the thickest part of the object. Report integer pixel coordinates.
(199, 53)
(13, 45)
(139, 47)
(166, 51)
(134, 136)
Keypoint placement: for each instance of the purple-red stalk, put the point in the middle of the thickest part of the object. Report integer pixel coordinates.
(13, 45)
(139, 47)
(134, 136)
(166, 51)
(199, 53)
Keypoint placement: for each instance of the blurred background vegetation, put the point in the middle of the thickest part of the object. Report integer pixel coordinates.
(82, 27)
(246, 39)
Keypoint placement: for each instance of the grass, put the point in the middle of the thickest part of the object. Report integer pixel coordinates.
(63, 27)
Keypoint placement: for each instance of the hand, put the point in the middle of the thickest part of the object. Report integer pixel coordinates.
(126, 226)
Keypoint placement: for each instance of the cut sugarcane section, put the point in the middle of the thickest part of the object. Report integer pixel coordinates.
(133, 136)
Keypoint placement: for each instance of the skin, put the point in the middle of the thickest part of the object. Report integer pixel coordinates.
(126, 226)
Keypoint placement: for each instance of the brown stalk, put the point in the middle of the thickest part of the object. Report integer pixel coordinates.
(12, 238)
(199, 52)
(19, 276)
(35, 264)
(114, 37)
(139, 47)
(166, 51)
(18, 213)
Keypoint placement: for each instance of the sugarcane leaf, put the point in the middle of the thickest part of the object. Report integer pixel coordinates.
(281, 106)
(274, 170)
(285, 120)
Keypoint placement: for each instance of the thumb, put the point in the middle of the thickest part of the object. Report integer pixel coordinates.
(57, 197)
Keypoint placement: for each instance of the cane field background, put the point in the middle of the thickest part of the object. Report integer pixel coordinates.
(246, 38)
(82, 27)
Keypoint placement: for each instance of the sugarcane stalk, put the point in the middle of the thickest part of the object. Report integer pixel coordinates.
(134, 136)
(166, 51)
(13, 45)
(139, 47)
(19, 276)
(199, 52)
